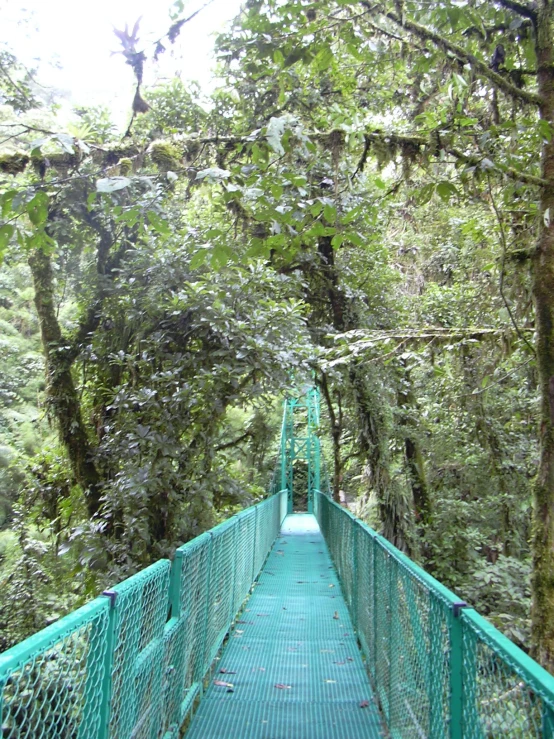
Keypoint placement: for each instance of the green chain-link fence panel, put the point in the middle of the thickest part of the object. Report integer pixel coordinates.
(129, 664)
(52, 683)
(438, 668)
(504, 694)
(140, 605)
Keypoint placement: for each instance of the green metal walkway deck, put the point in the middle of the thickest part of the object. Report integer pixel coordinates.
(292, 657)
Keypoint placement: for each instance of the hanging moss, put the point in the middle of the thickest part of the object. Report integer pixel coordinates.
(165, 156)
(14, 163)
(59, 162)
(125, 166)
(335, 144)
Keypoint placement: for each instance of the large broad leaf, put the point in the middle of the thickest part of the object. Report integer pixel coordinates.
(37, 209)
(111, 184)
(6, 232)
(213, 173)
(275, 130)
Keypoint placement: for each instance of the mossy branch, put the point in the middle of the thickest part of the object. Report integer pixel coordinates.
(500, 82)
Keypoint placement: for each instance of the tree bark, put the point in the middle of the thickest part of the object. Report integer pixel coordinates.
(414, 455)
(543, 293)
(61, 392)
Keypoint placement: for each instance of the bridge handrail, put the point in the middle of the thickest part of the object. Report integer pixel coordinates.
(439, 669)
(133, 660)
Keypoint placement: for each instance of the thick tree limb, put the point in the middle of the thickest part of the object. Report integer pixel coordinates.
(480, 67)
(524, 9)
(424, 141)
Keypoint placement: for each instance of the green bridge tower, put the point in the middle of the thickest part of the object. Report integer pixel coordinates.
(300, 442)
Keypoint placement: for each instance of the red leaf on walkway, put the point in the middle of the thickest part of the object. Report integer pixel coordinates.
(364, 704)
(223, 684)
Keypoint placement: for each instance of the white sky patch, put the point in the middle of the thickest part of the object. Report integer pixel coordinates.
(71, 42)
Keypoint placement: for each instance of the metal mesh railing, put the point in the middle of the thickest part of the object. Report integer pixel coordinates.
(438, 668)
(130, 663)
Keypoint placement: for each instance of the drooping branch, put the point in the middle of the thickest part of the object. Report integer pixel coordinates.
(419, 142)
(465, 57)
(109, 157)
(524, 9)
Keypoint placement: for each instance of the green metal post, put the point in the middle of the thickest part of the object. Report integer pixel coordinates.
(393, 641)
(105, 705)
(202, 668)
(310, 471)
(456, 672)
(284, 447)
(547, 722)
(354, 604)
(374, 602)
(254, 573)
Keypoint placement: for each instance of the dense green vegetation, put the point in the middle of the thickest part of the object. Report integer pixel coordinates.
(365, 199)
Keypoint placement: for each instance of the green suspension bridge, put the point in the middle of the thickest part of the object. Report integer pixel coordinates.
(277, 625)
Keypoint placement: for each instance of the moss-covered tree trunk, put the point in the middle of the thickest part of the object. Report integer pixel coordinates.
(543, 289)
(415, 461)
(61, 392)
(370, 409)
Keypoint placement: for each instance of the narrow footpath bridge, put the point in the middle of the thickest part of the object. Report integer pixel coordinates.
(277, 625)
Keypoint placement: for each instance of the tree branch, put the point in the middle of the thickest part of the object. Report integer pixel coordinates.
(480, 67)
(235, 442)
(523, 9)
(415, 140)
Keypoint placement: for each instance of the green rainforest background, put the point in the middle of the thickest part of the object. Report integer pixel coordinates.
(365, 199)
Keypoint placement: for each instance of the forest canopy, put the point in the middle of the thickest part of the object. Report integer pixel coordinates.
(366, 202)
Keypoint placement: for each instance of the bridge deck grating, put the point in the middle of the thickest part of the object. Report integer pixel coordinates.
(292, 656)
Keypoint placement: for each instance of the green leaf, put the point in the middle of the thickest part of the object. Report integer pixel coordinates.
(199, 258)
(158, 224)
(330, 214)
(278, 57)
(6, 201)
(6, 232)
(37, 209)
(324, 58)
(295, 56)
(446, 190)
(426, 193)
(111, 184)
(220, 256)
(354, 238)
(214, 174)
(316, 208)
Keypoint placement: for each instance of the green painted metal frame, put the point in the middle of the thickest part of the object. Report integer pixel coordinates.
(132, 661)
(301, 413)
(438, 667)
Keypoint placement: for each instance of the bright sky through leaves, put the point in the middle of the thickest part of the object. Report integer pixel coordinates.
(72, 44)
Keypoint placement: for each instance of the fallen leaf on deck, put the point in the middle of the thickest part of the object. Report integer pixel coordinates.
(336, 616)
(364, 704)
(283, 687)
(227, 672)
(331, 586)
(223, 684)
(330, 681)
